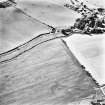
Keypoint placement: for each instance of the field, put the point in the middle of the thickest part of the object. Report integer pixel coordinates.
(39, 73)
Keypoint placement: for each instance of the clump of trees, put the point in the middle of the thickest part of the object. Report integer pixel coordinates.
(7, 3)
(92, 21)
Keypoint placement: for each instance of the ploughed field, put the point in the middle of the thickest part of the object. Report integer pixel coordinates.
(46, 74)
